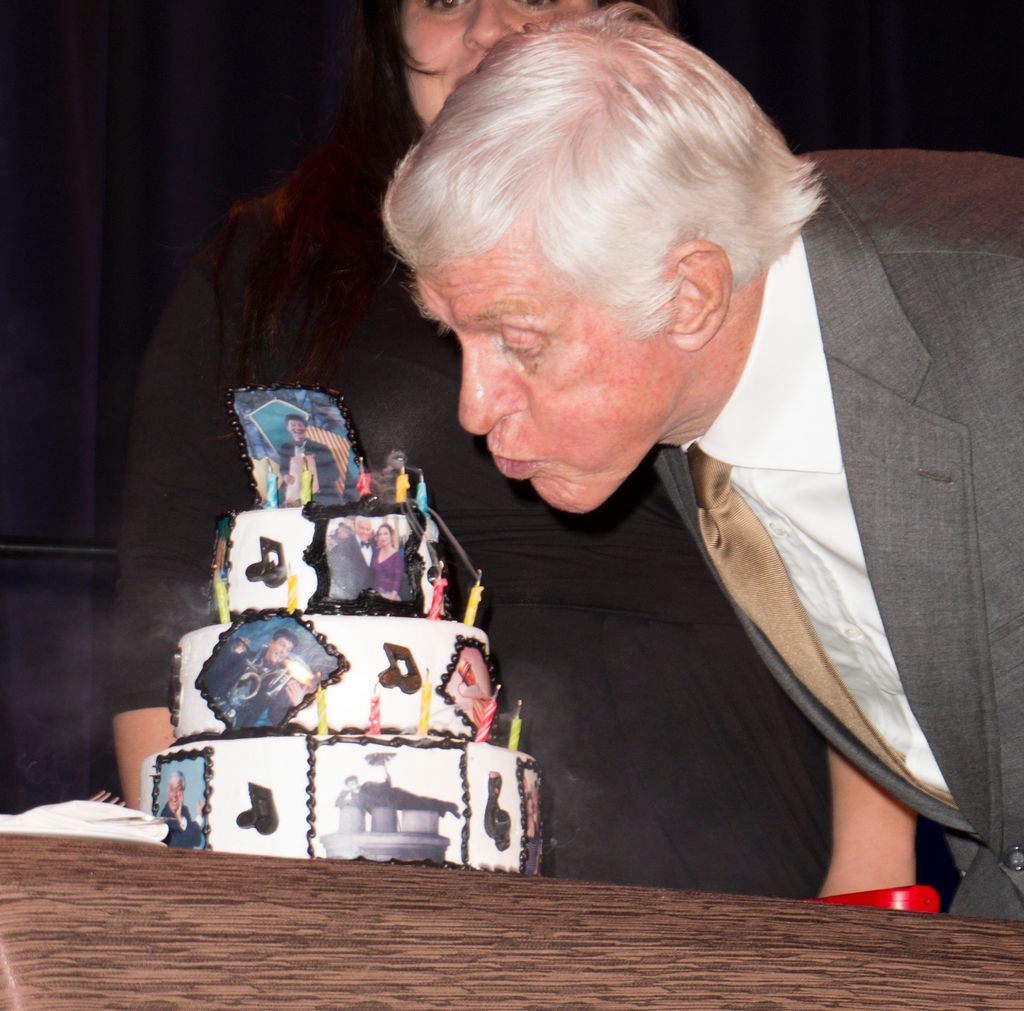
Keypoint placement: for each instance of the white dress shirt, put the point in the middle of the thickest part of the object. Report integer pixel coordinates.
(778, 430)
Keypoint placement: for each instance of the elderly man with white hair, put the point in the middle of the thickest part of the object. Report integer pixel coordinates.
(828, 348)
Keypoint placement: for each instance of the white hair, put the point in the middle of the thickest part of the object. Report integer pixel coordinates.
(610, 141)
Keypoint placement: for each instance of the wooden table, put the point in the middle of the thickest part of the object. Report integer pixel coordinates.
(107, 925)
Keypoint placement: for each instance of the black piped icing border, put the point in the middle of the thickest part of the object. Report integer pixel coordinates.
(314, 744)
(238, 429)
(310, 796)
(368, 602)
(174, 687)
(249, 618)
(207, 755)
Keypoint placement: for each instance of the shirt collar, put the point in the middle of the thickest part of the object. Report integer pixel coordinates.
(780, 416)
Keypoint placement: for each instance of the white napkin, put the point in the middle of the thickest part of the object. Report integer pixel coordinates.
(87, 819)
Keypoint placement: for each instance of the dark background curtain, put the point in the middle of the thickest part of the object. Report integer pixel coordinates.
(127, 127)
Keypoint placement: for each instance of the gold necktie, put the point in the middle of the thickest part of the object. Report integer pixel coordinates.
(753, 573)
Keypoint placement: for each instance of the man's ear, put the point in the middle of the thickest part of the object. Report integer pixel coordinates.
(703, 288)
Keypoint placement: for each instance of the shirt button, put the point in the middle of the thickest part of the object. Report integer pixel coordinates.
(1013, 859)
(853, 633)
(777, 528)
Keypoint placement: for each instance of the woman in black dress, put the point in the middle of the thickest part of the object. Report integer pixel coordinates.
(670, 757)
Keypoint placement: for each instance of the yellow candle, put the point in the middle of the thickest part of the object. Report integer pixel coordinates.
(293, 592)
(321, 710)
(306, 484)
(425, 693)
(220, 597)
(474, 602)
(516, 728)
(401, 486)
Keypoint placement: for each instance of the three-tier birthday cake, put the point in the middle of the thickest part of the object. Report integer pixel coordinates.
(336, 710)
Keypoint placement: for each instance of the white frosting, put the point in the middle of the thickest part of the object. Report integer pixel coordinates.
(286, 526)
(361, 640)
(430, 771)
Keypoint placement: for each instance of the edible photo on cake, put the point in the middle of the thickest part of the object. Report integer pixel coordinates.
(468, 683)
(395, 802)
(300, 443)
(180, 797)
(368, 553)
(265, 668)
(374, 557)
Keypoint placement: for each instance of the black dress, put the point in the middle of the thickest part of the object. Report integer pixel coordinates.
(670, 756)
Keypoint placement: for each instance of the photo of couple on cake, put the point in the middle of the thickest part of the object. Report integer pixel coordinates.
(367, 553)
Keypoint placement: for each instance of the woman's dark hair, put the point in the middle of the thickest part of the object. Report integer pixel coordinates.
(321, 249)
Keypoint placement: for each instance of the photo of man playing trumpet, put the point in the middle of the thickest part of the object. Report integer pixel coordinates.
(263, 671)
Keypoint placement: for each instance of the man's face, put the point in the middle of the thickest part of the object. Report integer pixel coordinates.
(567, 398)
(364, 530)
(297, 429)
(277, 651)
(175, 795)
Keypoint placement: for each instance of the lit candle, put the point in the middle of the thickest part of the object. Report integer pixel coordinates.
(363, 481)
(487, 718)
(516, 728)
(401, 486)
(293, 591)
(437, 600)
(305, 484)
(271, 499)
(374, 727)
(321, 710)
(473, 603)
(220, 596)
(425, 693)
(421, 495)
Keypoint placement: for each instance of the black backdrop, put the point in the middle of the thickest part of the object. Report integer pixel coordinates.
(126, 129)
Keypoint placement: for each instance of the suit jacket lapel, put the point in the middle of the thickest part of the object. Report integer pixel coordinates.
(910, 483)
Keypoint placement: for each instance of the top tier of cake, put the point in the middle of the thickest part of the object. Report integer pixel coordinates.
(344, 559)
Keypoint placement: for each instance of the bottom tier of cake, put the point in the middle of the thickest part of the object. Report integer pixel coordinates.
(379, 798)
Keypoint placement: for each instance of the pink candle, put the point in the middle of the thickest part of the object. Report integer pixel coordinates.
(487, 718)
(362, 482)
(437, 600)
(374, 727)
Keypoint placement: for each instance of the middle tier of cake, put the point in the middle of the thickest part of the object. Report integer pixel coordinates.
(334, 674)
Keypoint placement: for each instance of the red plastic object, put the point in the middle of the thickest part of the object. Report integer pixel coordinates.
(915, 898)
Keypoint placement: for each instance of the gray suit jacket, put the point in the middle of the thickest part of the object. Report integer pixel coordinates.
(917, 262)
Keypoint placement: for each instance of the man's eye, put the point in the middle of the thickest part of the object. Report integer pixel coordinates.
(523, 349)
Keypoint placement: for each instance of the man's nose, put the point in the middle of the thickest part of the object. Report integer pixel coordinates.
(488, 393)
(492, 20)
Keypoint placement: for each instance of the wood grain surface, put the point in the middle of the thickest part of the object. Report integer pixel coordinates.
(106, 925)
